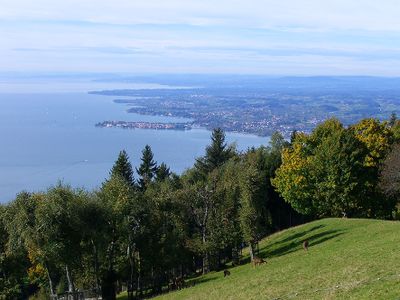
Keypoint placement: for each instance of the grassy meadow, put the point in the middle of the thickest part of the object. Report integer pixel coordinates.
(347, 259)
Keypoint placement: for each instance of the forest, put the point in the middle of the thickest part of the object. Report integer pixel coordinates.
(146, 229)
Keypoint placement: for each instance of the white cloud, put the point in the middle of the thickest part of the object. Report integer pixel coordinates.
(330, 14)
(286, 36)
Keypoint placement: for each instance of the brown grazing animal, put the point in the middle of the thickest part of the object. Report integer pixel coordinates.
(177, 283)
(172, 285)
(258, 261)
(226, 273)
(180, 283)
(305, 245)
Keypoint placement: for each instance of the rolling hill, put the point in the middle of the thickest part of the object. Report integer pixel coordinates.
(347, 259)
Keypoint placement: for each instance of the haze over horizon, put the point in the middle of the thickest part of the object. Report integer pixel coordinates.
(306, 37)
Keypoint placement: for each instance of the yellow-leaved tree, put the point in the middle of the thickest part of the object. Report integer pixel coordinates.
(376, 136)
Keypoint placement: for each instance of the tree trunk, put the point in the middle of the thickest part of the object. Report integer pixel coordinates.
(52, 294)
(205, 263)
(131, 272)
(108, 291)
(251, 251)
(205, 255)
(71, 287)
(235, 256)
(138, 287)
(108, 287)
(96, 268)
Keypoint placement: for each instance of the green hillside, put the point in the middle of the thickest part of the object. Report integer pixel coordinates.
(347, 259)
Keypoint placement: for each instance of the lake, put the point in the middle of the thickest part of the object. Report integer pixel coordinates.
(50, 136)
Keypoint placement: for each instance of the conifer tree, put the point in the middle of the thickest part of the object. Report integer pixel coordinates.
(393, 119)
(123, 168)
(147, 169)
(216, 154)
(163, 172)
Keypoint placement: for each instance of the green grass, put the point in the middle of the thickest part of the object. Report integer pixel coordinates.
(347, 259)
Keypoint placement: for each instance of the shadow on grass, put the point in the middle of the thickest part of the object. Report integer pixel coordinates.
(297, 244)
(285, 246)
(298, 235)
(201, 280)
(294, 241)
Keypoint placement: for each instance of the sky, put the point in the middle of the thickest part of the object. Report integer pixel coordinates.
(285, 37)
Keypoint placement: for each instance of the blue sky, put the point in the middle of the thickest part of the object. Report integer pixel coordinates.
(286, 37)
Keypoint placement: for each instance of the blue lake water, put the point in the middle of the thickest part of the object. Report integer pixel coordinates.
(51, 136)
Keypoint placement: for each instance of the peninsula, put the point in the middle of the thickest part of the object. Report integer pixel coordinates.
(145, 125)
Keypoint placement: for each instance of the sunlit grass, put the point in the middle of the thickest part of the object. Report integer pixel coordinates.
(347, 259)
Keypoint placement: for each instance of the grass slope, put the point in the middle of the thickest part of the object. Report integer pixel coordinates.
(347, 259)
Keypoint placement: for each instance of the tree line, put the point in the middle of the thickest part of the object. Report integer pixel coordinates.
(144, 231)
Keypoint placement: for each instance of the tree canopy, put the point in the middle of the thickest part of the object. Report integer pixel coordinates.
(147, 169)
(217, 153)
(147, 236)
(333, 171)
(123, 168)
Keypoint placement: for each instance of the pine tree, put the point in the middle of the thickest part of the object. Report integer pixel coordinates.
(393, 119)
(216, 154)
(162, 172)
(123, 168)
(147, 169)
(293, 136)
